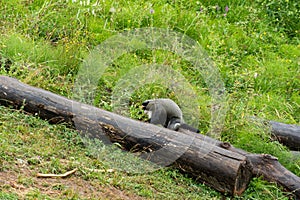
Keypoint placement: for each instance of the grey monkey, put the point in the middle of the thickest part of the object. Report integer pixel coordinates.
(167, 113)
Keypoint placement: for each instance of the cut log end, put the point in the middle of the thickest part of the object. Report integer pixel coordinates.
(243, 178)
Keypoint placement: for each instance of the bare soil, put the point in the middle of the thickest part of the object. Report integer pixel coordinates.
(25, 181)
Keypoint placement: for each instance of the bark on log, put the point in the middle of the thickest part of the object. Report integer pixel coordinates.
(218, 164)
(287, 134)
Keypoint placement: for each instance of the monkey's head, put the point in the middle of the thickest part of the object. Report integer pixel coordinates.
(146, 106)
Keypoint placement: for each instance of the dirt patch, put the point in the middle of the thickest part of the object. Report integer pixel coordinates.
(24, 182)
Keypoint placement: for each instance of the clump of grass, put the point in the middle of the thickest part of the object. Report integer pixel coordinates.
(284, 15)
(6, 196)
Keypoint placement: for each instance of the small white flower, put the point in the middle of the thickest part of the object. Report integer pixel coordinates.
(112, 10)
(255, 75)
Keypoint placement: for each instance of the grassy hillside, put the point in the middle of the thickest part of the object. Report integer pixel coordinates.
(254, 45)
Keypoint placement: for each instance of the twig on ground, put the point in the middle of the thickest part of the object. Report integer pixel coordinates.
(40, 175)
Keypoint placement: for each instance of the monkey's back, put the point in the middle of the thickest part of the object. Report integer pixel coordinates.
(172, 108)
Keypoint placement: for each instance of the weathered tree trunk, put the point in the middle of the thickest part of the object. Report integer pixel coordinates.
(287, 134)
(217, 164)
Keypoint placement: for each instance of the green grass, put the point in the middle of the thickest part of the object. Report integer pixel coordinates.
(255, 46)
(7, 196)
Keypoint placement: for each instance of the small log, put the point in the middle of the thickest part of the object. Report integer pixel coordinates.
(287, 134)
(226, 171)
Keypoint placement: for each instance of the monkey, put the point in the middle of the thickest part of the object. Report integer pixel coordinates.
(164, 112)
(167, 113)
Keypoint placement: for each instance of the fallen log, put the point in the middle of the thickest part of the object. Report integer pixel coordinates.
(218, 164)
(217, 167)
(287, 134)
